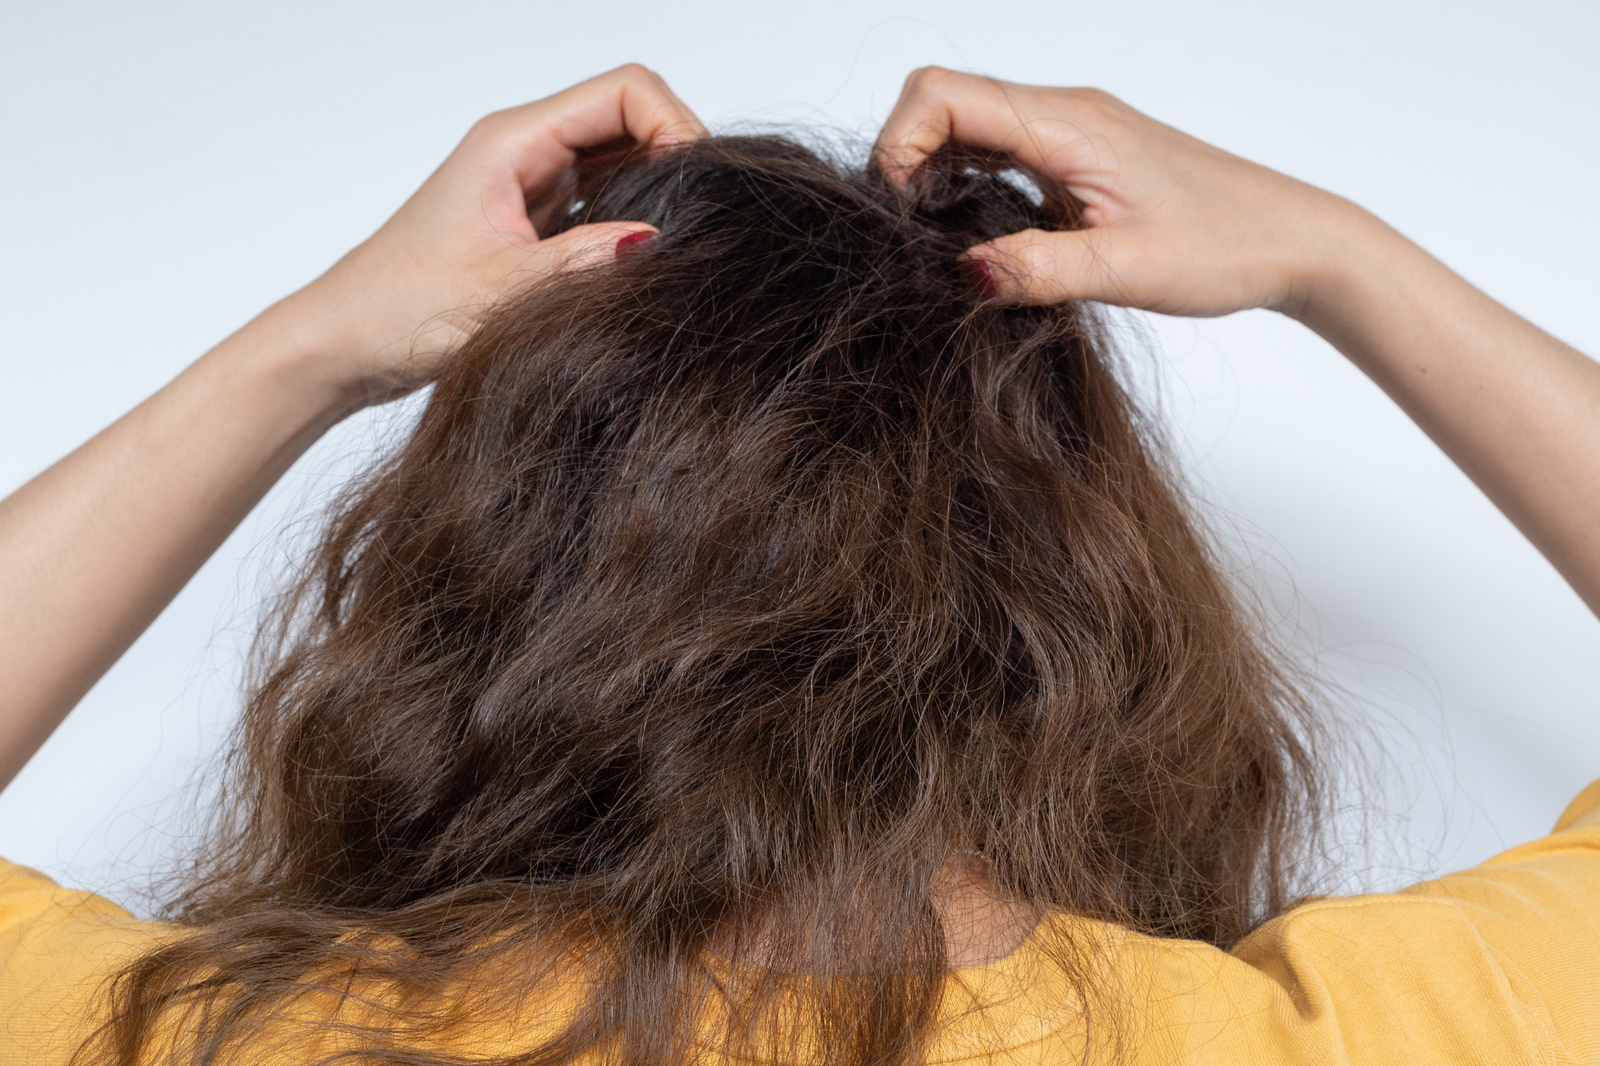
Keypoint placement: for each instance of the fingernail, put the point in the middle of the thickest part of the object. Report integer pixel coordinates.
(629, 243)
(981, 273)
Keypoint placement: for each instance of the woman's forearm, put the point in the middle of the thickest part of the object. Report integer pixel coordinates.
(92, 549)
(1518, 410)
(1174, 225)
(95, 547)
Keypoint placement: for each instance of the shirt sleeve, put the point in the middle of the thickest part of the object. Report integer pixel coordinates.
(1537, 907)
(1499, 963)
(57, 947)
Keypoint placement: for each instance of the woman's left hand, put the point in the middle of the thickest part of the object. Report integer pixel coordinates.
(385, 316)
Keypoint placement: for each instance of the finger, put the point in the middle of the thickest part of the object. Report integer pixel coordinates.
(937, 106)
(632, 101)
(595, 244)
(918, 126)
(1052, 267)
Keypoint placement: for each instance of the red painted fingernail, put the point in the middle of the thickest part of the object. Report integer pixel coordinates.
(981, 271)
(629, 243)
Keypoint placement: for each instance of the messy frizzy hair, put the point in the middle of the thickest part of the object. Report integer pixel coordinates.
(721, 598)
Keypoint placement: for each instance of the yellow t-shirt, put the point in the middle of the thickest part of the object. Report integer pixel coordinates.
(1497, 965)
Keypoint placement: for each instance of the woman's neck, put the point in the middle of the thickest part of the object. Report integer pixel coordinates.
(981, 924)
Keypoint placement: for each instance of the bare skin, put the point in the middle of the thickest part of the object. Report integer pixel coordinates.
(981, 924)
(1177, 226)
(95, 547)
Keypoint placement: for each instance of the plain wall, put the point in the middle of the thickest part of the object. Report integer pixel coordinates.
(172, 168)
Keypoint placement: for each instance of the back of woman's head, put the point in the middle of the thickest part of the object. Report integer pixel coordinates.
(722, 600)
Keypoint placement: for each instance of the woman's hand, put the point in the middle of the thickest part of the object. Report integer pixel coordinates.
(1172, 224)
(92, 549)
(388, 313)
(1177, 226)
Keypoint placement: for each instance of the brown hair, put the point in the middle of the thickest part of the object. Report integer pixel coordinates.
(719, 599)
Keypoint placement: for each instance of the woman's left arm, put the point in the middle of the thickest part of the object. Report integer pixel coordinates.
(1174, 225)
(95, 547)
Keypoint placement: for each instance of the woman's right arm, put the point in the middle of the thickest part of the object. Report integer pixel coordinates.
(92, 549)
(1177, 226)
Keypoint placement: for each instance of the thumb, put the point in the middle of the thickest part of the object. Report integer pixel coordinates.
(516, 266)
(591, 245)
(1037, 266)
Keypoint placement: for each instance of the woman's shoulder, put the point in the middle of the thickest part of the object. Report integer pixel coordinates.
(57, 946)
(1496, 963)
(1499, 962)
(42, 923)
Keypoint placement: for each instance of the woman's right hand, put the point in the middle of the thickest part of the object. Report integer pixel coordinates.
(387, 315)
(1171, 223)
(92, 549)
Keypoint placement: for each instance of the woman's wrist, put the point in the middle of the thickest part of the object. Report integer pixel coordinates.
(293, 358)
(1334, 245)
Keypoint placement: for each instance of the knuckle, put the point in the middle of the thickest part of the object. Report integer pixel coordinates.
(487, 127)
(1095, 101)
(921, 80)
(635, 72)
(1046, 265)
(1037, 257)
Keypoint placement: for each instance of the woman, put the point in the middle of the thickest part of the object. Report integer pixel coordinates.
(779, 638)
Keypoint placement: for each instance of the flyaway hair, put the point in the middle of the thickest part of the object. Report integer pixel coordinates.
(722, 599)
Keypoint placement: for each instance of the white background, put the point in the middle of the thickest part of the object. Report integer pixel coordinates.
(170, 168)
